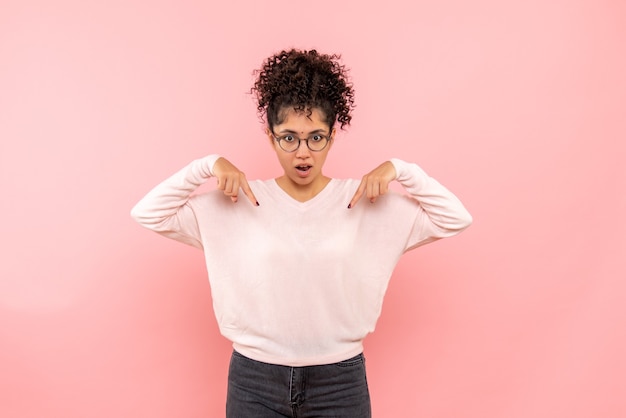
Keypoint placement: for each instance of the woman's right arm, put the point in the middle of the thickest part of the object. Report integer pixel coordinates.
(165, 208)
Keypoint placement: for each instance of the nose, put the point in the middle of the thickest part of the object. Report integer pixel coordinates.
(303, 150)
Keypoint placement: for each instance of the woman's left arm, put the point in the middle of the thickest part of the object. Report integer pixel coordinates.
(443, 213)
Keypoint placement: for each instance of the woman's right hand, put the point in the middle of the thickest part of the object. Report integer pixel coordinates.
(230, 179)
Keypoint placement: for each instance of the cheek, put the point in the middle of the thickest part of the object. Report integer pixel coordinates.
(283, 159)
(322, 158)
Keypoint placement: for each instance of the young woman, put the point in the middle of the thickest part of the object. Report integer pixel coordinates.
(299, 266)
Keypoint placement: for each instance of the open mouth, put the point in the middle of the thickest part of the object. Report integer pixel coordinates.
(303, 167)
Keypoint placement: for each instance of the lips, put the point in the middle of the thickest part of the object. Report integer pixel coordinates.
(303, 170)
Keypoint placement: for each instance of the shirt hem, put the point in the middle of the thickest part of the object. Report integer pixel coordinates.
(298, 362)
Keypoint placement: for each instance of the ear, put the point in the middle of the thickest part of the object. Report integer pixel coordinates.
(270, 137)
(332, 138)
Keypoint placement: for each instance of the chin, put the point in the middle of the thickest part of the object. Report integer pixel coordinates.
(302, 181)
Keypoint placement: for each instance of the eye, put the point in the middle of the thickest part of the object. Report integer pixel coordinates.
(316, 138)
(288, 138)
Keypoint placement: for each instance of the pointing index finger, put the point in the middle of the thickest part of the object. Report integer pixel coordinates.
(357, 195)
(248, 192)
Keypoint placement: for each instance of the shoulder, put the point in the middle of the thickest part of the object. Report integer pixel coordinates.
(341, 184)
(211, 198)
(216, 199)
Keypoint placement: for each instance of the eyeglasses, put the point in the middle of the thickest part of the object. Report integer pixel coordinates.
(290, 143)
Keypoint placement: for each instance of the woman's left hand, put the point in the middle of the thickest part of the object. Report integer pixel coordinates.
(375, 183)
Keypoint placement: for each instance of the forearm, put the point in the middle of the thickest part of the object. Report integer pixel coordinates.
(444, 210)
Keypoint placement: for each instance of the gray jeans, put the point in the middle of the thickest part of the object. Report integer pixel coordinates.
(261, 390)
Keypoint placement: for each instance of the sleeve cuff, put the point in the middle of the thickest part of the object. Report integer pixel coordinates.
(210, 161)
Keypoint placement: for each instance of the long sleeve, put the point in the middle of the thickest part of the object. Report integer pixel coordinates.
(442, 214)
(165, 208)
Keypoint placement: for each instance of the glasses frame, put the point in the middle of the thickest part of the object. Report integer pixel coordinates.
(282, 138)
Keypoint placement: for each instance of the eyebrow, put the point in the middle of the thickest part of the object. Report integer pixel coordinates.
(290, 131)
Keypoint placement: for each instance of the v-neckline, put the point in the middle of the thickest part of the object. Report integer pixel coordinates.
(307, 203)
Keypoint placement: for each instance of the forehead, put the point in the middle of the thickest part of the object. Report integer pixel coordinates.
(300, 120)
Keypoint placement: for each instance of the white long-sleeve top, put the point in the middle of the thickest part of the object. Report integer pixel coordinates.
(300, 283)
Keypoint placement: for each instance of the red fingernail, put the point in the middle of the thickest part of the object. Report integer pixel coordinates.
(257, 203)
(349, 205)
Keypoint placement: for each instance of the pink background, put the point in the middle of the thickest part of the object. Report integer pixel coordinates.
(518, 107)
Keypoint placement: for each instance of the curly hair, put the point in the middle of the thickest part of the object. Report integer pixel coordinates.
(304, 80)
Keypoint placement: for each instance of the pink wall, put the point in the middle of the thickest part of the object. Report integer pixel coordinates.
(517, 106)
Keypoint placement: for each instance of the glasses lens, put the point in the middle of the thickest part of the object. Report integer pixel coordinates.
(288, 143)
(317, 142)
